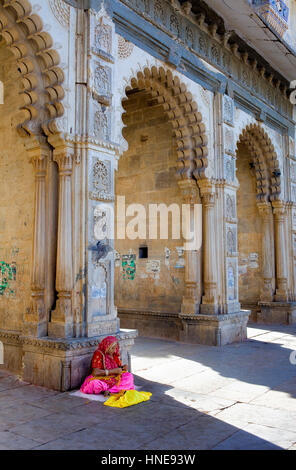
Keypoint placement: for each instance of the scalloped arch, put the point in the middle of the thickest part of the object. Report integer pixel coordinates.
(268, 175)
(41, 77)
(182, 112)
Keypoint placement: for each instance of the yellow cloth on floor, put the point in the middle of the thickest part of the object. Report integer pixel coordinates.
(128, 398)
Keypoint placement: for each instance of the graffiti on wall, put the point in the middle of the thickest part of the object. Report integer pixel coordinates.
(153, 268)
(129, 266)
(14, 273)
(7, 278)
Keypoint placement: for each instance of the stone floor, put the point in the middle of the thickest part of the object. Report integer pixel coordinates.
(240, 396)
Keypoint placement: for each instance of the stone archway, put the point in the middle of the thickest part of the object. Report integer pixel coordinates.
(182, 112)
(268, 174)
(260, 220)
(37, 62)
(37, 84)
(168, 100)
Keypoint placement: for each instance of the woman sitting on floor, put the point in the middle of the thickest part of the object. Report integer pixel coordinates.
(108, 375)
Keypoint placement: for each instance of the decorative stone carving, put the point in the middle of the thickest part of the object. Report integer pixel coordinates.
(61, 11)
(143, 5)
(294, 218)
(230, 207)
(245, 76)
(293, 192)
(103, 38)
(158, 12)
(291, 147)
(101, 181)
(231, 240)
(231, 282)
(102, 123)
(203, 45)
(229, 168)
(293, 170)
(189, 38)
(215, 54)
(39, 69)
(174, 25)
(229, 143)
(228, 110)
(125, 48)
(102, 79)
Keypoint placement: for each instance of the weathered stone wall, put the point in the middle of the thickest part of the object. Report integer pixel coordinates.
(17, 205)
(147, 175)
(249, 231)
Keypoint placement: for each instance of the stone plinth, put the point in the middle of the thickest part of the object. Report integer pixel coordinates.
(12, 349)
(58, 364)
(214, 330)
(277, 312)
(152, 324)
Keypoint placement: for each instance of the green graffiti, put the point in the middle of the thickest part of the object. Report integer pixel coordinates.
(129, 267)
(7, 274)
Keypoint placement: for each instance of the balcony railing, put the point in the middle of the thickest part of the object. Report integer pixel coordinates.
(275, 12)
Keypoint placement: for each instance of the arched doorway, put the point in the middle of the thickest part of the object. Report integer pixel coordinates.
(258, 174)
(32, 82)
(166, 146)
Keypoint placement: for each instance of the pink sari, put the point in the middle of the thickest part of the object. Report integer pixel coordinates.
(102, 360)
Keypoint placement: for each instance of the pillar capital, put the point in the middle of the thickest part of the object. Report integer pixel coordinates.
(279, 209)
(189, 190)
(65, 162)
(208, 192)
(265, 209)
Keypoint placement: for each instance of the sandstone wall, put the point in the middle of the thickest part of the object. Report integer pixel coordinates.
(249, 231)
(17, 204)
(147, 174)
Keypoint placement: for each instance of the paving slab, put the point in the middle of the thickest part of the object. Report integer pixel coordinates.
(200, 434)
(49, 427)
(258, 437)
(19, 414)
(241, 414)
(239, 396)
(240, 391)
(11, 441)
(281, 397)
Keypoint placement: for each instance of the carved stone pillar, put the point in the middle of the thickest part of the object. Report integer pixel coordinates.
(265, 210)
(61, 324)
(35, 319)
(192, 297)
(280, 211)
(209, 299)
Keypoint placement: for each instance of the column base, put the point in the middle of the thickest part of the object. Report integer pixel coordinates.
(209, 309)
(58, 364)
(60, 329)
(12, 349)
(277, 313)
(214, 330)
(38, 330)
(103, 325)
(190, 306)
